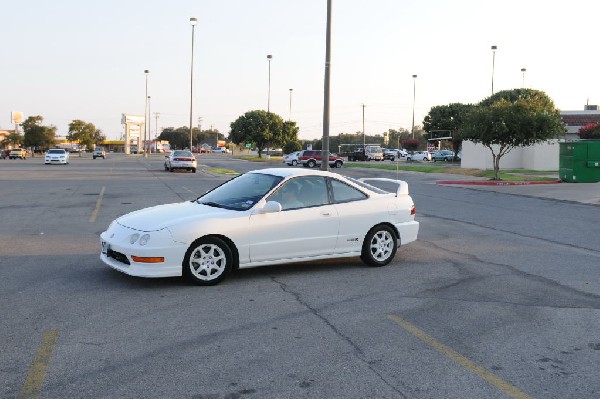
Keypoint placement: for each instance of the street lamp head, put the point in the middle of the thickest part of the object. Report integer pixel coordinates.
(146, 71)
(269, 56)
(291, 90)
(414, 76)
(494, 47)
(193, 21)
(523, 70)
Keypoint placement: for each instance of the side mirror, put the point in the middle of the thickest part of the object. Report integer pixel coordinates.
(271, 207)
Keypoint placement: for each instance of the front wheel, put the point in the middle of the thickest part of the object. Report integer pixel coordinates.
(379, 247)
(294, 163)
(207, 261)
(311, 164)
(338, 164)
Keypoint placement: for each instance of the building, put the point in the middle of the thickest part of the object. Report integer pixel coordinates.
(542, 156)
(575, 120)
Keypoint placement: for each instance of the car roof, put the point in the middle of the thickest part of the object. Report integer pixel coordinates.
(290, 172)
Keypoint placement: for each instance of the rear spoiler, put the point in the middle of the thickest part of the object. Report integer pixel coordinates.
(402, 185)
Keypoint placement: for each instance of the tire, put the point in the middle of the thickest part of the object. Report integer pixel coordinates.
(311, 163)
(166, 168)
(338, 164)
(193, 170)
(379, 247)
(171, 169)
(94, 157)
(294, 163)
(447, 159)
(408, 158)
(207, 261)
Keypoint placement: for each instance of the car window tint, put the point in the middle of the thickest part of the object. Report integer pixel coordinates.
(302, 192)
(243, 192)
(345, 193)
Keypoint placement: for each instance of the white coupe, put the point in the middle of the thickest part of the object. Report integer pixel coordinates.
(263, 217)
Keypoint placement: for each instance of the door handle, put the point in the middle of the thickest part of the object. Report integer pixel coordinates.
(325, 214)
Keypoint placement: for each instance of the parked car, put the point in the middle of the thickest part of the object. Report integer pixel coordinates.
(291, 159)
(419, 156)
(250, 221)
(312, 158)
(390, 154)
(56, 156)
(221, 150)
(443, 155)
(17, 153)
(181, 159)
(401, 152)
(99, 152)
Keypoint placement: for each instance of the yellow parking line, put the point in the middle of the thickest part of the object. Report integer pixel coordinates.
(474, 368)
(37, 372)
(98, 203)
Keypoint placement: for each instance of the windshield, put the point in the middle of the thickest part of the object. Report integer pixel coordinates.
(182, 153)
(242, 192)
(56, 151)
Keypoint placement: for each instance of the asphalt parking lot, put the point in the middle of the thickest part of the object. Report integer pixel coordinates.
(499, 298)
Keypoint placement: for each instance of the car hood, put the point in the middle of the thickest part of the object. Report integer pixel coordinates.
(163, 216)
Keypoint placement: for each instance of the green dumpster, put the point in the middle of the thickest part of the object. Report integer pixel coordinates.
(579, 161)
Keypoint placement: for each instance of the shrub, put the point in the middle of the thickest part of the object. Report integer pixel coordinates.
(590, 131)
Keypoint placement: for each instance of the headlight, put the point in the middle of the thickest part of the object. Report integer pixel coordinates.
(133, 238)
(144, 239)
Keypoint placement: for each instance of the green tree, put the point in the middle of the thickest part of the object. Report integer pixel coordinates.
(13, 139)
(37, 135)
(292, 146)
(178, 138)
(447, 117)
(512, 118)
(85, 133)
(262, 129)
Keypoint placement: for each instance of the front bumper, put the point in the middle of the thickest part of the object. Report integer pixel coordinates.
(117, 252)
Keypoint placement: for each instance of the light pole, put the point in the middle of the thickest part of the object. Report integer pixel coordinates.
(494, 48)
(290, 118)
(325, 140)
(364, 139)
(269, 57)
(414, 98)
(149, 129)
(523, 70)
(193, 22)
(146, 72)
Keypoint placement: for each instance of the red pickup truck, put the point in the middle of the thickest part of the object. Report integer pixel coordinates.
(310, 159)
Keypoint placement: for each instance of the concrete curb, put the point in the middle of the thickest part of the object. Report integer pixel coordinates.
(496, 183)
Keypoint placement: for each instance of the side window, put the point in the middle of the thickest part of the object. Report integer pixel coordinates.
(302, 192)
(345, 193)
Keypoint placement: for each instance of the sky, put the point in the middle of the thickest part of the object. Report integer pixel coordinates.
(73, 59)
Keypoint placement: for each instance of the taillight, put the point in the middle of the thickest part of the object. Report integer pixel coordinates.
(413, 210)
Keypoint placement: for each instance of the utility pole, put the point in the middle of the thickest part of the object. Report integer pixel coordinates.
(156, 125)
(364, 140)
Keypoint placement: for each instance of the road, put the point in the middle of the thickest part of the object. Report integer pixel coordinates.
(498, 298)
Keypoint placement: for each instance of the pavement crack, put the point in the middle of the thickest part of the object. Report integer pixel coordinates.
(360, 355)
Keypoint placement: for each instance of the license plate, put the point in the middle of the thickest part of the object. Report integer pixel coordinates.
(104, 247)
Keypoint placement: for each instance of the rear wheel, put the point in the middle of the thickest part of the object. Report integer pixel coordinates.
(166, 168)
(207, 261)
(193, 170)
(379, 247)
(311, 164)
(338, 164)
